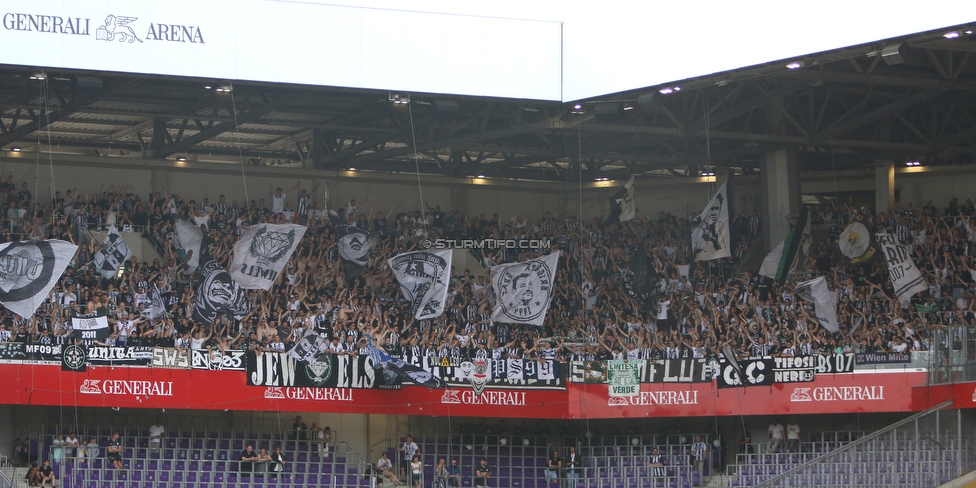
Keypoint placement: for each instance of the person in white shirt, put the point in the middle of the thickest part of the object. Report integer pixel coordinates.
(278, 198)
(792, 437)
(775, 436)
(699, 451)
(156, 433)
(385, 467)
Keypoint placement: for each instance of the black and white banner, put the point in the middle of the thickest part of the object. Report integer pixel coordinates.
(755, 372)
(217, 360)
(710, 232)
(523, 290)
(135, 355)
(354, 246)
(170, 358)
(217, 295)
(798, 369)
(862, 358)
(424, 277)
(188, 239)
(326, 371)
(824, 300)
(835, 363)
(262, 252)
(28, 271)
(90, 326)
(905, 277)
(113, 253)
(12, 350)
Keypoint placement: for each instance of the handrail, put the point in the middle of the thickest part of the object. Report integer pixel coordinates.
(9, 483)
(851, 445)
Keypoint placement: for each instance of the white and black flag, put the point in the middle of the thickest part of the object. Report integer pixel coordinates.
(424, 277)
(157, 307)
(217, 294)
(824, 300)
(905, 277)
(622, 205)
(262, 252)
(710, 232)
(309, 347)
(523, 290)
(113, 253)
(354, 247)
(188, 239)
(90, 327)
(28, 271)
(855, 243)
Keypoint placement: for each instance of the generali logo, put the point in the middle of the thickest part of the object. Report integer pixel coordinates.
(317, 394)
(838, 393)
(468, 397)
(115, 28)
(127, 387)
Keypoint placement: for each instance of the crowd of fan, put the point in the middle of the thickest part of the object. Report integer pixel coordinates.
(597, 311)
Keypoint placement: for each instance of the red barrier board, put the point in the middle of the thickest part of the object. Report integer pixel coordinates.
(141, 387)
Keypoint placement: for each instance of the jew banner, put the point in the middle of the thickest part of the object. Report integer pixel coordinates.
(424, 277)
(905, 277)
(825, 301)
(28, 271)
(710, 235)
(113, 253)
(354, 246)
(218, 294)
(262, 252)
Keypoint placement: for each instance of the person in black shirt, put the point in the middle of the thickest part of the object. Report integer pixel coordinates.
(47, 474)
(248, 456)
(115, 450)
(300, 429)
(482, 474)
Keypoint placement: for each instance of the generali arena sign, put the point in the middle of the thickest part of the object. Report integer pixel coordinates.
(204, 389)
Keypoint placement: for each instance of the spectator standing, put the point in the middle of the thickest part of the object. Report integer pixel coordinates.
(482, 474)
(57, 448)
(775, 436)
(553, 465)
(278, 461)
(440, 474)
(416, 472)
(72, 447)
(792, 436)
(454, 474)
(92, 450)
(248, 457)
(263, 462)
(657, 464)
(409, 450)
(699, 451)
(300, 430)
(574, 465)
(156, 433)
(745, 441)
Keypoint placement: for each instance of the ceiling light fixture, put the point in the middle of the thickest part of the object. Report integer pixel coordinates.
(577, 109)
(795, 65)
(665, 91)
(481, 176)
(969, 32)
(15, 148)
(224, 89)
(352, 169)
(913, 163)
(38, 75)
(951, 34)
(398, 99)
(181, 158)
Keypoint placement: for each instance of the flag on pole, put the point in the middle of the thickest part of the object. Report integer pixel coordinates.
(262, 252)
(354, 247)
(29, 270)
(188, 240)
(424, 277)
(710, 232)
(523, 290)
(781, 259)
(905, 277)
(622, 205)
(113, 253)
(824, 300)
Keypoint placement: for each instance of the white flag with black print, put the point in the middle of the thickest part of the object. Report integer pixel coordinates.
(262, 252)
(354, 246)
(309, 347)
(523, 290)
(113, 253)
(157, 307)
(29, 270)
(824, 300)
(710, 234)
(188, 238)
(905, 277)
(424, 277)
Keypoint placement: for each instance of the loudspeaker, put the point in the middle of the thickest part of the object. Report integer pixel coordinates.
(892, 54)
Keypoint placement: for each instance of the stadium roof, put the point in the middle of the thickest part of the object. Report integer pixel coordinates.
(912, 98)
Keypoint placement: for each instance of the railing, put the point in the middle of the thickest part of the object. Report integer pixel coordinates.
(5, 481)
(953, 355)
(925, 449)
